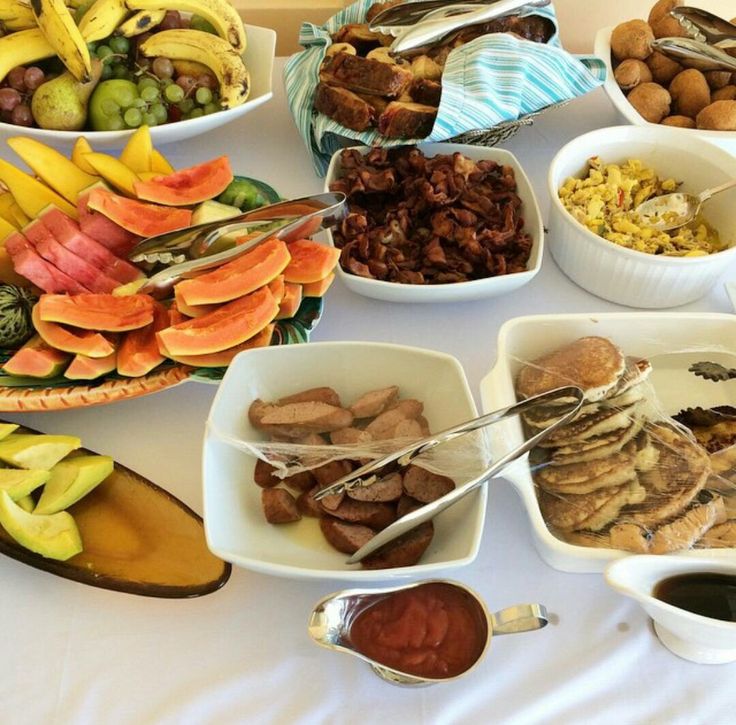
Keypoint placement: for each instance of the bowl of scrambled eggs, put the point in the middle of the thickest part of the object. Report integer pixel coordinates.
(596, 182)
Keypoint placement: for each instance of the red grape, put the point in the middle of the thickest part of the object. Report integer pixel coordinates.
(171, 21)
(187, 83)
(9, 99)
(207, 81)
(21, 115)
(16, 78)
(162, 68)
(33, 78)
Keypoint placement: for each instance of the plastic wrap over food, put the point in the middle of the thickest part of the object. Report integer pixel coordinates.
(648, 464)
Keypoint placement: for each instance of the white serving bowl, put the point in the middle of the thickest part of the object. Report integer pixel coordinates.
(235, 526)
(602, 48)
(626, 276)
(258, 58)
(459, 291)
(690, 636)
(653, 335)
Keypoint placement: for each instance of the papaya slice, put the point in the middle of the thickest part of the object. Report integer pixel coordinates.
(176, 316)
(97, 311)
(146, 220)
(225, 357)
(36, 360)
(318, 288)
(188, 186)
(248, 272)
(138, 353)
(191, 310)
(291, 300)
(67, 339)
(88, 368)
(277, 287)
(310, 261)
(226, 327)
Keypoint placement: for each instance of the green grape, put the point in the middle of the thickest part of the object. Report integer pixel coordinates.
(147, 82)
(197, 22)
(133, 117)
(186, 105)
(150, 94)
(158, 110)
(120, 72)
(203, 96)
(91, 47)
(110, 107)
(138, 103)
(150, 120)
(106, 72)
(120, 44)
(115, 123)
(196, 113)
(166, 82)
(104, 53)
(211, 108)
(174, 93)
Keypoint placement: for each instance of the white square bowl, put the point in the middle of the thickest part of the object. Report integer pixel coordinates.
(235, 526)
(654, 335)
(602, 48)
(459, 291)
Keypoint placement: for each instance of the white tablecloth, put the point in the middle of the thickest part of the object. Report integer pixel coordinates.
(75, 654)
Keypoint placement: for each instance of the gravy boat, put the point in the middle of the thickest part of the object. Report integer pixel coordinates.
(690, 636)
(331, 619)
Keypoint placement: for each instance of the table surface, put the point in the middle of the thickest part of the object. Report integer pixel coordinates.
(76, 654)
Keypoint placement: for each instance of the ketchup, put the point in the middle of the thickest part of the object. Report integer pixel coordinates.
(435, 630)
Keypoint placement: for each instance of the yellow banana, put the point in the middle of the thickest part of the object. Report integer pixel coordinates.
(101, 19)
(57, 24)
(217, 54)
(220, 13)
(16, 15)
(23, 48)
(141, 22)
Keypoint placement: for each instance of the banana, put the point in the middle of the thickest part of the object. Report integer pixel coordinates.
(16, 15)
(23, 48)
(217, 54)
(57, 24)
(101, 19)
(220, 13)
(141, 22)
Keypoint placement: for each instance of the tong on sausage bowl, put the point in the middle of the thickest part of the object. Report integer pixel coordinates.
(186, 252)
(376, 470)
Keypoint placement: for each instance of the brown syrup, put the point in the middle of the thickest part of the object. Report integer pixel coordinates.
(705, 593)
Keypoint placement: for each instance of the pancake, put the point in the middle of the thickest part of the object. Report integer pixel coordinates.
(591, 426)
(636, 372)
(719, 536)
(631, 494)
(647, 455)
(681, 533)
(596, 447)
(594, 364)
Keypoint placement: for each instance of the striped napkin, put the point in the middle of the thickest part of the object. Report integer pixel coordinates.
(492, 79)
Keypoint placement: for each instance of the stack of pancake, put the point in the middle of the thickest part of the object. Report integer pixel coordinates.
(613, 478)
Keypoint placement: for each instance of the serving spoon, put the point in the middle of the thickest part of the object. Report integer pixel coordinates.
(675, 210)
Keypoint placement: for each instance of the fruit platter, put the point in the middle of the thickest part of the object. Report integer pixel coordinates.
(79, 332)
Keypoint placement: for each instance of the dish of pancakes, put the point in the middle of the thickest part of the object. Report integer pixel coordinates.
(619, 475)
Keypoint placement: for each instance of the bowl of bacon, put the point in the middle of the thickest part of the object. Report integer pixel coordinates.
(435, 222)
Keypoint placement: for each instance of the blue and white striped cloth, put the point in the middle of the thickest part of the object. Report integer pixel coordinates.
(492, 79)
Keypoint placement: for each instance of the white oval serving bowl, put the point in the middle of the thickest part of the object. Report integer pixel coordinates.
(602, 48)
(459, 291)
(626, 276)
(690, 636)
(258, 58)
(234, 523)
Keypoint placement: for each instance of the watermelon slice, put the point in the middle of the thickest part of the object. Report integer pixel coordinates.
(103, 230)
(76, 267)
(70, 235)
(29, 264)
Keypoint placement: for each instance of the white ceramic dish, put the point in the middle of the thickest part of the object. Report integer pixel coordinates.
(602, 48)
(235, 527)
(460, 291)
(258, 58)
(626, 276)
(690, 636)
(653, 335)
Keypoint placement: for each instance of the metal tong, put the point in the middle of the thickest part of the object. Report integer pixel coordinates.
(186, 249)
(376, 470)
(695, 53)
(419, 30)
(706, 27)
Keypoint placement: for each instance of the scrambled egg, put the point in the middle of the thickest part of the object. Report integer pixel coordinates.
(604, 202)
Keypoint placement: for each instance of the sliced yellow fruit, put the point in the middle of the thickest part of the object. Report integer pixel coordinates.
(27, 503)
(160, 164)
(61, 174)
(30, 194)
(18, 216)
(6, 202)
(19, 483)
(137, 154)
(6, 229)
(6, 429)
(113, 171)
(53, 536)
(129, 289)
(71, 480)
(29, 450)
(80, 148)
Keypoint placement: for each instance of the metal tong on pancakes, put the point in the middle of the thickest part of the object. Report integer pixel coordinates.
(374, 471)
(187, 249)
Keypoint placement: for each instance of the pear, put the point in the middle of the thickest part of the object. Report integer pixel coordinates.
(61, 103)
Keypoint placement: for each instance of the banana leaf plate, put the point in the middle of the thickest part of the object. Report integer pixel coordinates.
(24, 395)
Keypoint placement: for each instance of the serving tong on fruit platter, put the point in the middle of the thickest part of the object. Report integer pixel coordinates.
(190, 251)
(376, 470)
